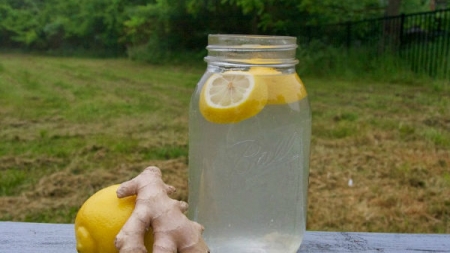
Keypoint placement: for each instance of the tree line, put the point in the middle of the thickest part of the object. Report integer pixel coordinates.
(155, 26)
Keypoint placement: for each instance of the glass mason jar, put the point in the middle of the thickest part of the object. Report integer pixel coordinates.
(249, 146)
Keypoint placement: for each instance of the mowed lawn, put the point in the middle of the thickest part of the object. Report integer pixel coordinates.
(380, 158)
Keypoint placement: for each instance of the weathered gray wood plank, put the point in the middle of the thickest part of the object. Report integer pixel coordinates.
(374, 242)
(18, 237)
(21, 237)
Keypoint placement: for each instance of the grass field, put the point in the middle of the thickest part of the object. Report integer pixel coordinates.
(380, 156)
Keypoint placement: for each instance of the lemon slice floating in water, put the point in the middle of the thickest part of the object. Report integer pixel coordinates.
(281, 88)
(231, 97)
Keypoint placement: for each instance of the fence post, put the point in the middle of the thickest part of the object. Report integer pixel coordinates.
(401, 36)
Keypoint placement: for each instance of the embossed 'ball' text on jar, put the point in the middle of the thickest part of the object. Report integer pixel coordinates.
(249, 146)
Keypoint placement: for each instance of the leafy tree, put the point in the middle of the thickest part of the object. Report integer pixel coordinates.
(156, 26)
(330, 11)
(52, 23)
(90, 24)
(250, 16)
(21, 20)
(411, 6)
(393, 7)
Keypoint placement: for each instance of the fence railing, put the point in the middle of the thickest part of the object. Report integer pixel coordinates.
(421, 39)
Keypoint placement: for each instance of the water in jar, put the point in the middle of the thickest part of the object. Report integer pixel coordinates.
(248, 180)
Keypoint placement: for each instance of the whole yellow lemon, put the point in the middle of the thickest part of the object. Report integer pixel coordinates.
(100, 219)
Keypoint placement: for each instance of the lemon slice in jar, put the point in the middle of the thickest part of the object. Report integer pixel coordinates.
(231, 97)
(281, 88)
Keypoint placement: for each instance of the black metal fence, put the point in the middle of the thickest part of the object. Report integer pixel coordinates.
(421, 39)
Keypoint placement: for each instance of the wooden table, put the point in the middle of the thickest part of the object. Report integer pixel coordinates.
(21, 237)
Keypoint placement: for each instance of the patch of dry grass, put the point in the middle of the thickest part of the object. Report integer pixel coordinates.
(56, 197)
(380, 158)
(374, 164)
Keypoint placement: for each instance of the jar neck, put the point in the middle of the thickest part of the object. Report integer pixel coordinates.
(251, 50)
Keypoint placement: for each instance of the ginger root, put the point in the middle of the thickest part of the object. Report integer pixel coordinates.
(172, 231)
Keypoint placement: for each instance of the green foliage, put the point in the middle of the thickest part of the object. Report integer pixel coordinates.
(144, 21)
(250, 6)
(158, 25)
(331, 11)
(21, 19)
(155, 30)
(54, 24)
(146, 31)
(411, 6)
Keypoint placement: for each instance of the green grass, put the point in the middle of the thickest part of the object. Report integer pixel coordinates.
(11, 180)
(59, 107)
(71, 126)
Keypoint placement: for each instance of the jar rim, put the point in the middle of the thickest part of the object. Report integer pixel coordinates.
(242, 50)
(250, 42)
